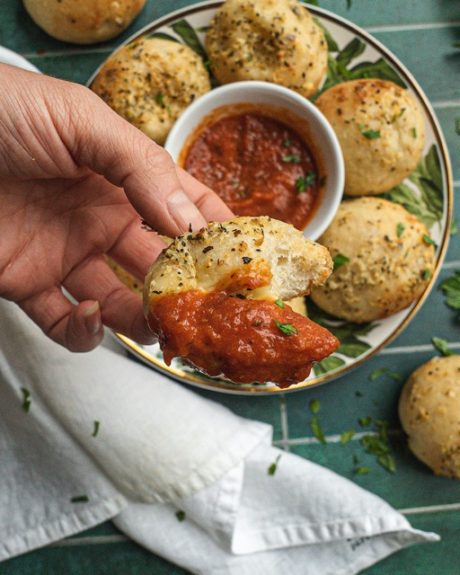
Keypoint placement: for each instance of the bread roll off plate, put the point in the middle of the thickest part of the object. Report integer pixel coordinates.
(343, 298)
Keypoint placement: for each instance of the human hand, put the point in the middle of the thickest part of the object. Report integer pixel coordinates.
(74, 180)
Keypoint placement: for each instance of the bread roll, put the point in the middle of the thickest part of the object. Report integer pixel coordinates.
(429, 409)
(381, 131)
(271, 40)
(83, 21)
(260, 258)
(214, 298)
(150, 83)
(387, 265)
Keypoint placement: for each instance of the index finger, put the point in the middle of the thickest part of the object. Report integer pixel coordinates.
(208, 202)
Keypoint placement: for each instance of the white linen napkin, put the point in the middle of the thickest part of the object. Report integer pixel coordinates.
(159, 449)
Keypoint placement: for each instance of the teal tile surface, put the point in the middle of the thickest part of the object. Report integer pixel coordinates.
(126, 558)
(432, 49)
(413, 484)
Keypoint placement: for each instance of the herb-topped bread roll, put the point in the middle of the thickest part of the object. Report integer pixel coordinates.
(150, 83)
(429, 409)
(383, 259)
(271, 40)
(216, 299)
(83, 21)
(381, 131)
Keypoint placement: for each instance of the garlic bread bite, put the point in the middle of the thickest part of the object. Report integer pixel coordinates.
(383, 260)
(270, 40)
(83, 21)
(216, 299)
(150, 83)
(429, 409)
(381, 131)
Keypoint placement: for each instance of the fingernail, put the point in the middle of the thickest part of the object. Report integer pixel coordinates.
(92, 318)
(184, 212)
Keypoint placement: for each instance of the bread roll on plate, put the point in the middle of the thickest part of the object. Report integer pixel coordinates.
(150, 83)
(216, 299)
(429, 409)
(83, 21)
(383, 260)
(270, 40)
(381, 131)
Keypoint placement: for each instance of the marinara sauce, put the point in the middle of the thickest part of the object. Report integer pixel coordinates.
(258, 164)
(245, 340)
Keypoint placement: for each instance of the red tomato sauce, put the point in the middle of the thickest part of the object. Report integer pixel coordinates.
(244, 340)
(258, 165)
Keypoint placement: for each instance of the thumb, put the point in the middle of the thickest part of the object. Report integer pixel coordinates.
(109, 145)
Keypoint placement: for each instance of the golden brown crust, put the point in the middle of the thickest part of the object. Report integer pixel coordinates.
(270, 40)
(150, 83)
(381, 131)
(429, 409)
(260, 258)
(389, 264)
(83, 21)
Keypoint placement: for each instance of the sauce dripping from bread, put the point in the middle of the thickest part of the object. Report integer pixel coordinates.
(245, 340)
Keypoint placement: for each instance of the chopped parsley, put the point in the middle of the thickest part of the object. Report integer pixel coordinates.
(159, 99)
(365, 421)
(339, 260)
(291, 159)
(317, 430)
(347, 436)
(369, 134)
(287, 143)
(398, 115)
(315, 405)
(26, 401)
(400, 229)
(429, 241)
(380, 371)
(180, 515)
(442, 346)
(378, 445)
(280, 303)
(246, 260)
(207, 249)
(304, 182)
(361, 470)
(451, 289)
(414, 132)
(80, 499)
(426, 274)
(273, 466)
(286, 328)
(97, 425)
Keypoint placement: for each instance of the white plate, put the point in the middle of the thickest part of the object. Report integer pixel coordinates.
(361, 56)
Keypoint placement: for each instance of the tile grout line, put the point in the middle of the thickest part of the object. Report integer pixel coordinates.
(335, 438)
(414, 349)
(419, 26)
(451, 264)
(284, 423)
(430, 509)
(441, 105)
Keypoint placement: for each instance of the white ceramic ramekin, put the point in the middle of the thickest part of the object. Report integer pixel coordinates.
(264, 93)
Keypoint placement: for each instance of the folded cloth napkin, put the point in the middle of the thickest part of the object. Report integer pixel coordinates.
(87, 437)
